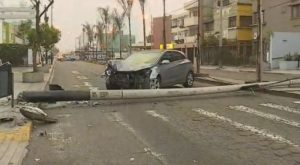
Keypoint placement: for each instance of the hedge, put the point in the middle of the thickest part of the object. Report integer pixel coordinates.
(16, 54)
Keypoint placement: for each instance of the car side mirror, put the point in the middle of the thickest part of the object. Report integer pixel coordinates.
(165, 62)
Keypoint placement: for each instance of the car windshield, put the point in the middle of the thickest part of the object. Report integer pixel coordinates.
(143, 58)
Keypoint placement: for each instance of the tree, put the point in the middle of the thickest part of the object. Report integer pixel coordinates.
(119, 24)
(127, 7)
(90, 34)
(23, 29)
(142, 3)
(106, 17)
(49, 37)
(99, 35)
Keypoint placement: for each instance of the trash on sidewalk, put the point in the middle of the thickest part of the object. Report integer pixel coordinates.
(34, 113)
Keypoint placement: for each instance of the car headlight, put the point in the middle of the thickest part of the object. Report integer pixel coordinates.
(108, 72)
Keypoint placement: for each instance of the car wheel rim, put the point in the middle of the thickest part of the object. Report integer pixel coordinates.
(190, 79)
(155, 84)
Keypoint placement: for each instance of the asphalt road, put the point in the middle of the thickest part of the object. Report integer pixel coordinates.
(232, 128)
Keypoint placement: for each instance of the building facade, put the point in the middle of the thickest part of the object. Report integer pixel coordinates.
(157, 32)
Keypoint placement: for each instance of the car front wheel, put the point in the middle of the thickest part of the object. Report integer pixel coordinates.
(189, 80)
(155, 83)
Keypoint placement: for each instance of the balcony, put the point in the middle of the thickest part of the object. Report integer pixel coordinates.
(190, 39)
(191, 21)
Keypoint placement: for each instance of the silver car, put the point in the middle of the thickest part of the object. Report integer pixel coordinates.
(150, 70)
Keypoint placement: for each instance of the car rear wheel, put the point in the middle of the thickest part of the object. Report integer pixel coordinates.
(154, 83)
(110, 86)
(189, 80)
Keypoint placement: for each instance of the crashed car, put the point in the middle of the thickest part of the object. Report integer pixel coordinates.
(150, 70)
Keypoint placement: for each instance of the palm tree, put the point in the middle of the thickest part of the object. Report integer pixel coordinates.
(142, 3)
(89, 33)
(119, 24)
(99, 35)
(105, 16)
(127, 7)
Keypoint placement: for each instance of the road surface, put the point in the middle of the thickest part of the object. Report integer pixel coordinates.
(233, 128)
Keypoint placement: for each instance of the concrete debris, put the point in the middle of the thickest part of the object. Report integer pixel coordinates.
(36, 159)
(296, 102)
(34, 113)
(6, 119)
(132, 159)
(52, 106)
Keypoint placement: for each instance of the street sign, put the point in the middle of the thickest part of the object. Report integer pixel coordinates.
(6, 80)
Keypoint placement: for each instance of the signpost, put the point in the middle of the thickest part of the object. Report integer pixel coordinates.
(6, 82)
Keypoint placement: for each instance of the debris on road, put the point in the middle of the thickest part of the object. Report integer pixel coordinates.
(34, 113)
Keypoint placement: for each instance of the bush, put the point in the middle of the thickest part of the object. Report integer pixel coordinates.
(14, 53)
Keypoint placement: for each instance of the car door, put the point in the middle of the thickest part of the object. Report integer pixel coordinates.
(179, 70)
(166, 70)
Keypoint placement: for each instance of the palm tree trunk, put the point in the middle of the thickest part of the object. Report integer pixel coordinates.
(130, 40)
(121, 35)
(106, 44)
(144, 26)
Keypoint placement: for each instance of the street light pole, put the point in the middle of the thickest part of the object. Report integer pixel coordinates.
(200, 34)
(221, 35)
(259, 41)
(164, 24)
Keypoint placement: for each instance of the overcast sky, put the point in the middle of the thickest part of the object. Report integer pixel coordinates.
(69, 15)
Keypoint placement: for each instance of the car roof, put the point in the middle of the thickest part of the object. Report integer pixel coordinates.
(161, 51)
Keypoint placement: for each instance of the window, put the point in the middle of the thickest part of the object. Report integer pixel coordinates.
(245, 21)
(174, 23)
(176, 56)
(225, 3)
(209, 26)
(232, 22)
(295, 11)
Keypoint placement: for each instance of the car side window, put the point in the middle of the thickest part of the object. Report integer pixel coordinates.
(166, 56)
(177, 56)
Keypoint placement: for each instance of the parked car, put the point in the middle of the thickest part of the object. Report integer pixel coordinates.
(150, 70)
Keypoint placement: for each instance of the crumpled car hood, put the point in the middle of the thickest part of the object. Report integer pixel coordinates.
(119, 65)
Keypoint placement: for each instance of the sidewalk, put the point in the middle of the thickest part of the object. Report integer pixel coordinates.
(241, 75)
(15, 135)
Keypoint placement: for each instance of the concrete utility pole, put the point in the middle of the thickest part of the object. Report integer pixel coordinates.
(221, 35)
(259, 58)
(164, 24)
(200, 34)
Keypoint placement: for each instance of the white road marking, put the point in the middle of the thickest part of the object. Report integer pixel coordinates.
(117, 117)
(280, 107)
(265, 115)
(238, 125)
(155, 114)
(87, 84)
(82, 78)
(296, 102)
(75, 72)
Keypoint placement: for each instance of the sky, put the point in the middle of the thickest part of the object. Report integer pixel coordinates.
(69, 15)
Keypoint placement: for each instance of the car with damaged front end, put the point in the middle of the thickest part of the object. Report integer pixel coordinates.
(150, 70)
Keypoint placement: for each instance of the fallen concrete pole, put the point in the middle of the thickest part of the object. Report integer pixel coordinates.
(94, 94)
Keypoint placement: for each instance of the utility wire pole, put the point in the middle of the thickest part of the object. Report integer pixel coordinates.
(164, 24)
(221, 35)
(259, 58)
(200, 35)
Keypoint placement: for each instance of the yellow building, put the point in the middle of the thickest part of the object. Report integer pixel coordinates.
(237, 20)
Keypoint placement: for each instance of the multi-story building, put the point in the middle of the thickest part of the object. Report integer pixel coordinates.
(10, 18)
(157, 32)
(281, 29)
(179, 31)
(237, 20)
